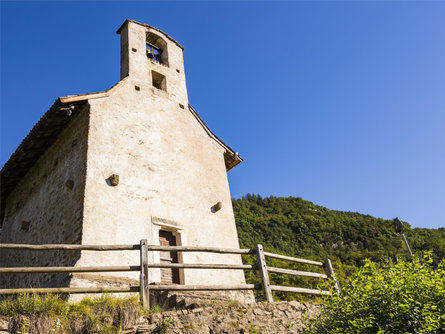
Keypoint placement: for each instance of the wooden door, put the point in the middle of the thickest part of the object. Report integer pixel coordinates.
(168, 275)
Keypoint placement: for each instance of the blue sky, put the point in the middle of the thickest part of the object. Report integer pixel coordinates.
(341, 103)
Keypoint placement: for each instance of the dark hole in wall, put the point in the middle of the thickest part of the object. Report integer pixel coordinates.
(158, 81)
(25, 226)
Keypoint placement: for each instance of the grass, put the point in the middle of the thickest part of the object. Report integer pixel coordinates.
(32, 304)
(51, 314)
(156, 309)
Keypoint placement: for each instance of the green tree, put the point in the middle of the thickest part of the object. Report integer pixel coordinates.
(295, 227)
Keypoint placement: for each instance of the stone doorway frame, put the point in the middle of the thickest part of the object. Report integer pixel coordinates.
(161, 224)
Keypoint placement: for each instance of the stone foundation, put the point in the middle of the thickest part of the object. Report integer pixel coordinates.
(221, 318)
(185, 299)
(230, 318)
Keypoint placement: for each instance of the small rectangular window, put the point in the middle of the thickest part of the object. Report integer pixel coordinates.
(159, 80)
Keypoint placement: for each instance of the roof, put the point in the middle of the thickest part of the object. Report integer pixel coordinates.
(38, 140)
(47, 129)
(147, 26)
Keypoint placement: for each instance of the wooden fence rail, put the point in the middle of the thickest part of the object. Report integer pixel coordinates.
(293, 259)
(295, 272)
(128, 247)
(70, 247)
(144, 286)
(116, 289)
(40, 270)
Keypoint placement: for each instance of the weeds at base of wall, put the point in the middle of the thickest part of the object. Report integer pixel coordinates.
(50, 314)
(253, 329)
(166, 323)
(156, 309)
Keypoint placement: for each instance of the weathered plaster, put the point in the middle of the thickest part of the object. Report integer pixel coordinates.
(168, 167)
(53, 210)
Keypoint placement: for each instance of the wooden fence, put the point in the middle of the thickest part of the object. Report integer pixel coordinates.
(144, 287)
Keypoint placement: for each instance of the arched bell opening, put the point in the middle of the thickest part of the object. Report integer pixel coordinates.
(156, 49)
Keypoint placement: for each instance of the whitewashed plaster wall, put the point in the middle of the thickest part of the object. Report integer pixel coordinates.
(169, 169)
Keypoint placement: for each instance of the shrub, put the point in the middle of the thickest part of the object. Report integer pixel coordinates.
(401, 297)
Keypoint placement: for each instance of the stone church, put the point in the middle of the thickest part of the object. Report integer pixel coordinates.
(133, 162)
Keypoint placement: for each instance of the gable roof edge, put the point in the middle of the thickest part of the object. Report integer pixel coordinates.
(231, 157)
(90, 96)
(54, 121)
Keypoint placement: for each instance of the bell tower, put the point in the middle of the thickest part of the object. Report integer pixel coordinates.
(152, 58)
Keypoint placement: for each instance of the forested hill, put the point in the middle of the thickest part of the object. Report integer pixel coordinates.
(293, 226)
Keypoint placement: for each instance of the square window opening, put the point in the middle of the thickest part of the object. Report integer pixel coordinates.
(159, 81)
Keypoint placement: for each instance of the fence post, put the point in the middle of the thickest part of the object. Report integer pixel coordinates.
(143, 280)
(262, 267)
(330, 273)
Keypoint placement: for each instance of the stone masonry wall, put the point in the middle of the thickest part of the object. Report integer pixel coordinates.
(223, 318)
(217, 318)
(47, 207)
